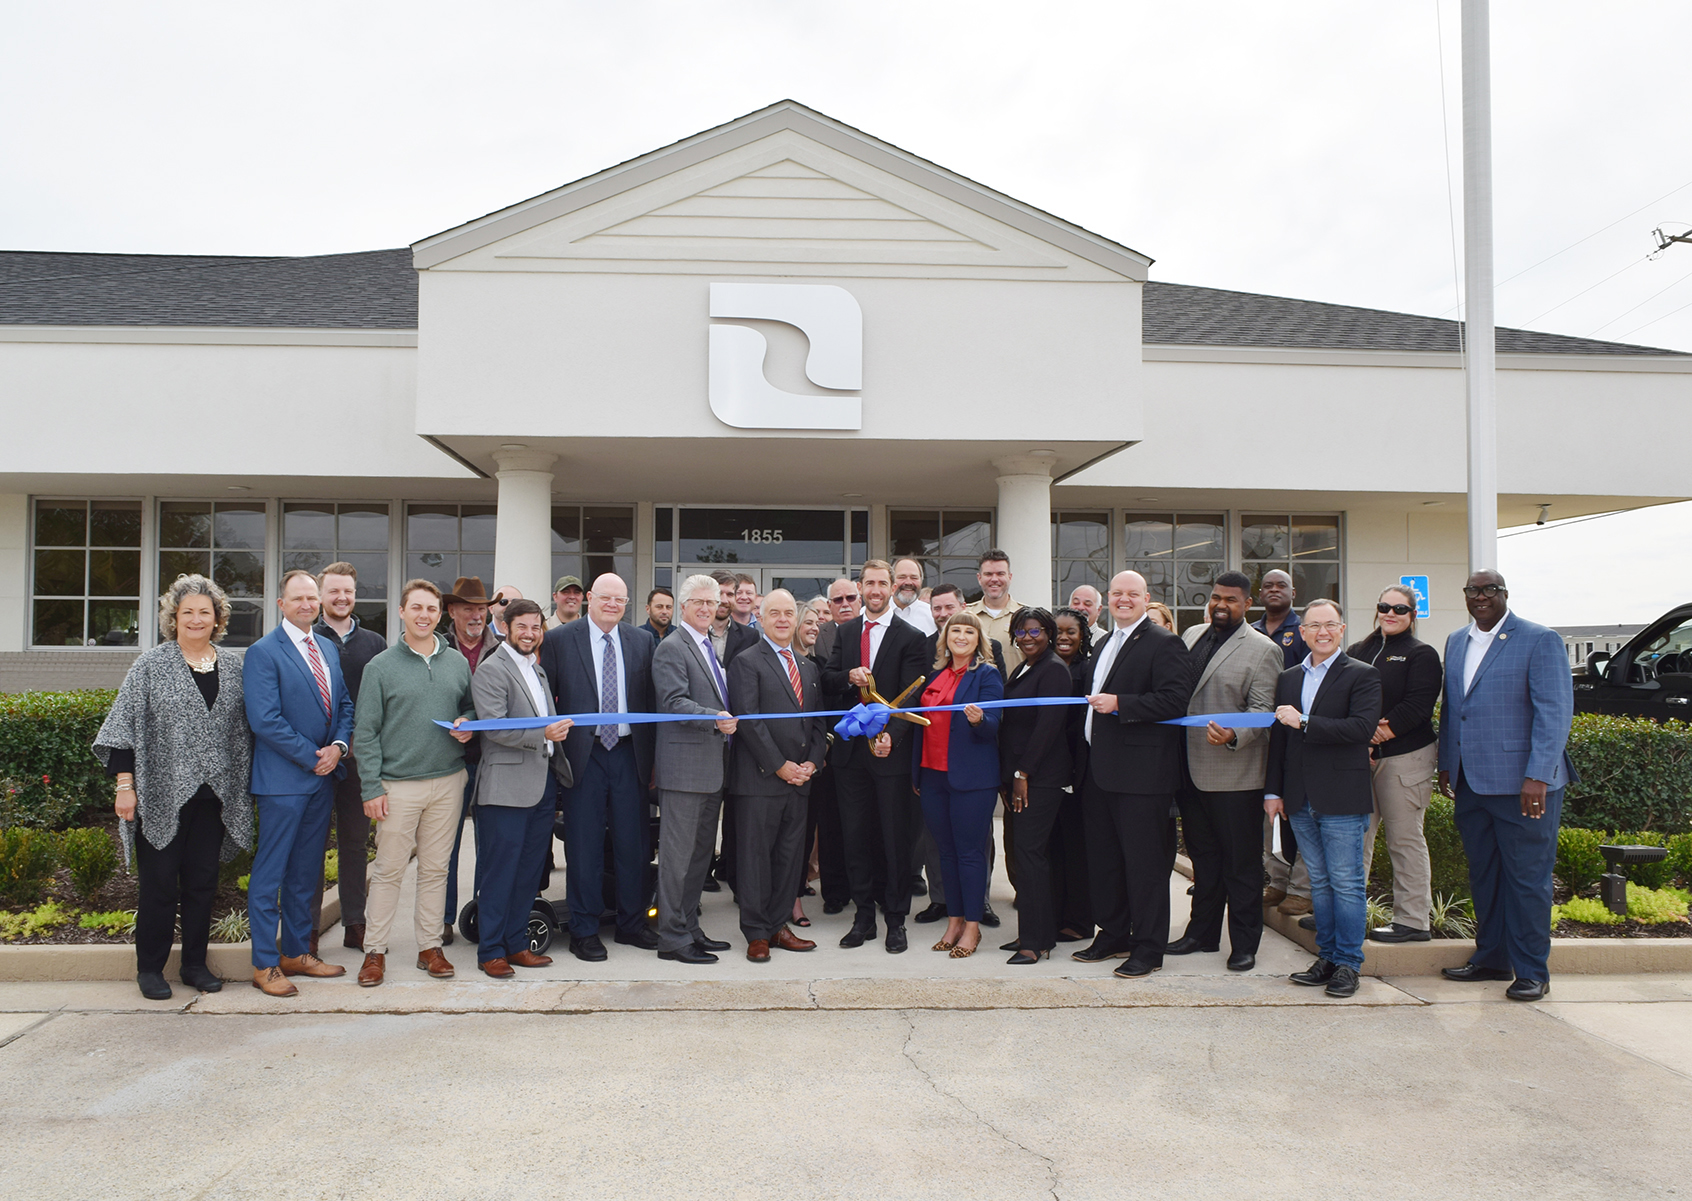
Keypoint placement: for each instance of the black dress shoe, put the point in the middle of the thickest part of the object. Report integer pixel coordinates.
(858, 935)
(832, 907)
(201, 978)
(1316, 974)
(711, 884)
(1307, 922)
(643, 938)
(1014, 944)
(1134, 969)
(153, 985)
(988, 917)
(1241, 961)
(1104, 947)
(1344, 983)
(919, 886)
(934, 913)
(588, 948)
(1470, 973)
(710, 944)
(1529, 990)
(896, 940)
(692, 953)
(1399, 932)
(1187, 944)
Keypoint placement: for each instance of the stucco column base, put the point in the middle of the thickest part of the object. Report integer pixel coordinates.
(1025, 524)
(523, 544)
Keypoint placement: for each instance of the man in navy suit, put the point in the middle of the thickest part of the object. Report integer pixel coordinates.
(1503, 729)
(601, 665)
(302, 716)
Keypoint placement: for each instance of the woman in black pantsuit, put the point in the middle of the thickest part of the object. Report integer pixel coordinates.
(1068, 846)
(1034, 757)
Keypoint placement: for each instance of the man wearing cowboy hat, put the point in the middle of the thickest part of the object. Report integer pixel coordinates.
(473, 636)
(566, 601)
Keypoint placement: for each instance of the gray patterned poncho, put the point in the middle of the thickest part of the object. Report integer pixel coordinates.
(179, 745)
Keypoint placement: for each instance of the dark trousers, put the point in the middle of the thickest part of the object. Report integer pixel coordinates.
(1071, 882)
(1224, 834)
(687, 831)
(961, 821)
(875, 817)
(182, 875)
(768, 831)
(1130, 846)
(832, 882)
(1510, 862)
(511, 846)
(287, 868)
(457, 841)
(352, 833)
(607, 795)
(1031, 849)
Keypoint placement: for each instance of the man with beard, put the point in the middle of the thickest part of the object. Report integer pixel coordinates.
(907, 601)
(996, 606)
(1237, 668)
(566, 601)
(660, 613)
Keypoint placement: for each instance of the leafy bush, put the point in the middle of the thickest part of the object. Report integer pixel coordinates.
(27, 861)
(44, 919)
(1635, 774)
(1585, 909)
(118, 921)
(1376, 914)
(331, 867)
(1680, 858)
(37, 802)
(52, 734)
(1579, 862)
(91, 857)
(1655, 905)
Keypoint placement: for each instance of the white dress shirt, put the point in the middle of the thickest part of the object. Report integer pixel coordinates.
(1480, 641)
(597, 640)
(526, 669)
(1105, 661)
(918, 614)
(877, 627)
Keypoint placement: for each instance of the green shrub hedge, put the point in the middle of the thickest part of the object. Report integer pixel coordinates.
(46, 746)
(1635, 774)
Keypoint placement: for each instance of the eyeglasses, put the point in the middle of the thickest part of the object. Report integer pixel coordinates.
(1474, 591)
(844, 599)
(1031, 632)
(1401, 610)
(612, 600)
(1320, 627)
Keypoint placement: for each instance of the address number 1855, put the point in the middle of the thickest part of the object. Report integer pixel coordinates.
(760, 535)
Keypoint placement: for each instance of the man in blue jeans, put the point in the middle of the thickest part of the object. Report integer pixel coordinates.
(1326, 710)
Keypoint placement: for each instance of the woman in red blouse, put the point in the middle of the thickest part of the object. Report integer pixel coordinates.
(955, 770)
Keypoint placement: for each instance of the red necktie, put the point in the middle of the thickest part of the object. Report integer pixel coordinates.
(793, 677)
(864, 646)
(318, 670)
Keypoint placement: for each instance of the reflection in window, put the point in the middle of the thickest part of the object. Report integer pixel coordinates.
(948, 543)
(87, 573)
(224, 541)
(591, 540)
(1305, 546)
(446, 541)
(318, 533)
(1180, 555)
(1080, 553)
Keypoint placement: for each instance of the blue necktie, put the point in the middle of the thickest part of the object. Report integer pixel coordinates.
(716, 673)
(608, 695)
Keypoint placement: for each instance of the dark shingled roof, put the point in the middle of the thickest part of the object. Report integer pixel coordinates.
(377, 289)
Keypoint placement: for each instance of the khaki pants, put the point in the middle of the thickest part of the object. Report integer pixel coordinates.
(422, 815)
(1403, 788)
(1294, 880)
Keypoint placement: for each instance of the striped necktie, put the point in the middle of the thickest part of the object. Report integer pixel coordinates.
(320, 671)
(793, 677)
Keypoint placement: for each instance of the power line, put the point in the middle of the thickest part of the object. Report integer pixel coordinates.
(1654, 320)
(1644, 302)
(1584, 291)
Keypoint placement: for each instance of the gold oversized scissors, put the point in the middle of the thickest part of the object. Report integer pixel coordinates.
(868, 694)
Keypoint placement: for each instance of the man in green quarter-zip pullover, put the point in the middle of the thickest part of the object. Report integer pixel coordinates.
(412, 772)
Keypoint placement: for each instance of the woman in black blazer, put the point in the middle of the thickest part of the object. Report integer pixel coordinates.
(1067, 854)
(1036, 766)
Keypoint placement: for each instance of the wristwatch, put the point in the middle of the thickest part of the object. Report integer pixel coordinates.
(1019, 775)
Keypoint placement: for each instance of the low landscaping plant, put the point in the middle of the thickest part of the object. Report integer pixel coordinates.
(1377, 914)
(51, 734)
(231, 927)
(120, 922)
(1585, 909)
(332, 867)
(28, 859)
(90, 855)
(1648, 906)
(1452, 917)
(37, 802)
(43, 919)
(1579, 862)
(1680, 858)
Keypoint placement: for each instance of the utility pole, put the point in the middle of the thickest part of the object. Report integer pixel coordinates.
(1481, 379)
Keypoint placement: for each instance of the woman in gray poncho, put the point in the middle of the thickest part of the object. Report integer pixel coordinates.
(177, 743)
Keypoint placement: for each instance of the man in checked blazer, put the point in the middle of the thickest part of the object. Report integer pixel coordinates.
(1221, 797)
(689, 764)
(1503, 730)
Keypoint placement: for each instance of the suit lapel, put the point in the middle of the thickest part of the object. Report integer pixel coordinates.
(1128, 646)
(585, 639)
(1335, 668)
(775, 661)
(292, 655)
(1492, 651)
(699, 658)
(1228, 647)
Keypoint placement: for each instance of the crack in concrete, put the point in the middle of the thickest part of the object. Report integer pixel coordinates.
(1046, 1161)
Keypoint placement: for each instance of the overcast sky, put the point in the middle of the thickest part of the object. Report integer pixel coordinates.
(1293, 149)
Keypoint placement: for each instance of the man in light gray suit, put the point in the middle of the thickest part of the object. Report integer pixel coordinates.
(513, 826)
(688, 768)
(1221, 798)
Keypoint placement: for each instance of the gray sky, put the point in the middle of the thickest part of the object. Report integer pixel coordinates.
(1298, 149)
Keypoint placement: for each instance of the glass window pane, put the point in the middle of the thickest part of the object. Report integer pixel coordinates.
(57, 623)
(246, 623)
(431, 527)
(476, 530)
(1160, 578)
(480, 566)
(238, 526)
(1193, 581)
(184, 523)
(1072, 573)
(313, 561)
(624, 566)
(663, 549)
(1148, 535)
(1080, 535)
(860, 535)
(1316, 536)
(914, 532)
(114, 623)
(567, 529)
(61, 523)
(173, 563)
(60, 572)
(761, 536)
(372, 617)
(436, 567)
(239, 572)
(1199, 537)
(115, 523)
(661, 575)
(307, 526)
(1315, 581)
(372, 574)
(362, 527)
(114, 573)
(966, 533)
(1263, 537)
(962, 573)
(563, 565)
(1186, 619)
(608, 529)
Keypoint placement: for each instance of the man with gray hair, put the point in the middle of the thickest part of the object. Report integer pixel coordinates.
(688, 769)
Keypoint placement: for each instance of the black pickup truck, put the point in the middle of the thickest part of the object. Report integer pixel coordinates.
(1649, 677)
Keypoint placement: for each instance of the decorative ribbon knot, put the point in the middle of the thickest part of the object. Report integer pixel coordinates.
(866, 719)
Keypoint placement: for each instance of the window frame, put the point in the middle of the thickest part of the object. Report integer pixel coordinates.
(146, 603)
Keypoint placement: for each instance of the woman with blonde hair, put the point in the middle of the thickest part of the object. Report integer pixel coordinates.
(1161, 614)
(177, 743)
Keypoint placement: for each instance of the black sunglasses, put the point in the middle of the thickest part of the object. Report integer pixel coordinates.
(1401, 610)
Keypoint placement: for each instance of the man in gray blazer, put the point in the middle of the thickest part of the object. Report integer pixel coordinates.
(689, 764)
(1222, 796)
(513, 826)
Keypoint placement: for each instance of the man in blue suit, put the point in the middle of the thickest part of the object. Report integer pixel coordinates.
(302, 716)
(1503, 728)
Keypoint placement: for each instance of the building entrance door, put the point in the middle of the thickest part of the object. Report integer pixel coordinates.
(802, 582)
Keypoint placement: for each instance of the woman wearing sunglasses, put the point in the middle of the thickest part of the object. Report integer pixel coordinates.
(1403, 757)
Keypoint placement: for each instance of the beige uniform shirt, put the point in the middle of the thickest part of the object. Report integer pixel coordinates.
(999, 627)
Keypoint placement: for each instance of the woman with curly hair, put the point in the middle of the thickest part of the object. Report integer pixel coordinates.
(177, 743)
(1067, 847)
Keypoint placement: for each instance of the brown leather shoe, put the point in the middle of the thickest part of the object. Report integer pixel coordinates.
(310, 965)
(272, 983)
(759, 950)
(1294, 906)
(433, 962)
(497, 968)
(787, 940)
(353, 939)
(1273, 895)
(528, 959)
(370, 975)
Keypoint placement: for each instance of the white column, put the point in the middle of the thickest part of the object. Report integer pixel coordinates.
(1477, 287)
(1025, 524)
(523, 544)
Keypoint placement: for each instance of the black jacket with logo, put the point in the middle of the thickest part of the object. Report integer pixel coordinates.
(1411, 678)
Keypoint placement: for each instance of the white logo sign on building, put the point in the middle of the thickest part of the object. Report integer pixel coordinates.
(827, 315)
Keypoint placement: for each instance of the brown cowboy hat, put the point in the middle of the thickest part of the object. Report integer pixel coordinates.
(466, 590)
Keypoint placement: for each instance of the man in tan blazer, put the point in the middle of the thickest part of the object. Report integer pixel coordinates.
(1222, 796)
